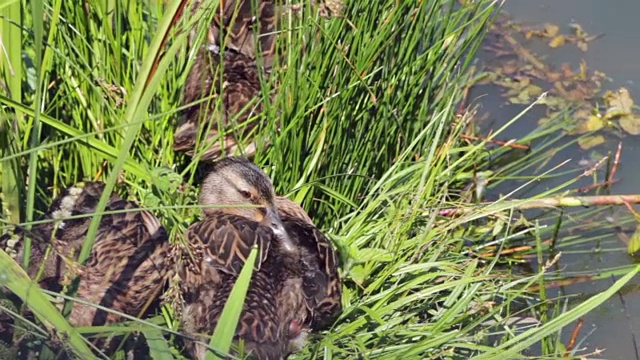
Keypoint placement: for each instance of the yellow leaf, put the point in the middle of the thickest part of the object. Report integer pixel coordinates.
(551, 30)
(618, 103)
(584, 70)
(587, 142)
(578, 30)
(593, 123)
(534, 90)
(554, 102)
(631, 124)
(557, 41)
(582, 45)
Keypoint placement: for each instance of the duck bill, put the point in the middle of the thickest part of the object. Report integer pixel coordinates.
(272, 220)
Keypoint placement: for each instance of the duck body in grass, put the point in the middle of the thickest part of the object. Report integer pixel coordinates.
(219, 123)
(127, 265)
(247, 27)
(239, 51)
(295, 287)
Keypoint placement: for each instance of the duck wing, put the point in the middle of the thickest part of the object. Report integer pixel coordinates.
(219, 247)
(321, 281)
(126, 266)
(288, 208)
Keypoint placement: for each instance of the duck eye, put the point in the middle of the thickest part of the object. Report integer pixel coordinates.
(246, 194)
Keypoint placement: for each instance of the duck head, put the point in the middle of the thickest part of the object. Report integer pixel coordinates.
(235, 185)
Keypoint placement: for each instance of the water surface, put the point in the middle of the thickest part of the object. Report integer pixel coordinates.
(617, 54)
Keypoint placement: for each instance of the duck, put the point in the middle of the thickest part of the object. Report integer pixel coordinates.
(236, 117)
(126, 268)
(248, 27)
(239, 50)
(295, 287)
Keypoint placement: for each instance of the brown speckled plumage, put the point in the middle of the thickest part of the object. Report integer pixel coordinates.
(240, 83)
(126, 268)
(248, 27)
(240, 46)
(321, 281)
(288, 293)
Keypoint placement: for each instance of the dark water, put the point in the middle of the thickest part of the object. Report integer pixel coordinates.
(617, 53)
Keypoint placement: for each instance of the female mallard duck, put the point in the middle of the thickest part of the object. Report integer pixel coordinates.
(295, 286)
(240, 83)
(248, 27)
(126, 268)
(227, 67)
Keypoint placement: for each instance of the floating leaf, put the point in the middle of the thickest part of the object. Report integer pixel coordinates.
(578, 30)
(631, 124)
(524, 93)
(553, 76)
(486, 78)
(618, 104)
(554, 102)
(529, 34)
(557, 41)
(551, 30)
(582, 45)
(549, 117)
(593, 123)
(587, 142)
(584, 70)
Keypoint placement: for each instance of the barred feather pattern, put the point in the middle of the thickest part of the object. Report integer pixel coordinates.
(127, 266)
(289, 295)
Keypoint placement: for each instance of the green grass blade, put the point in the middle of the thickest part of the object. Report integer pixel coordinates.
(223, 334)
(158, 347)
(37, 12)
(11, 75)
(511, 348)
(105, 149)
(364, 132)
(146, 84)
(16, 280)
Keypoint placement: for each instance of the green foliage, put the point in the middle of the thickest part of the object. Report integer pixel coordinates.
(223, 335)
(363, 93)
(363, 132)
(17, 281)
